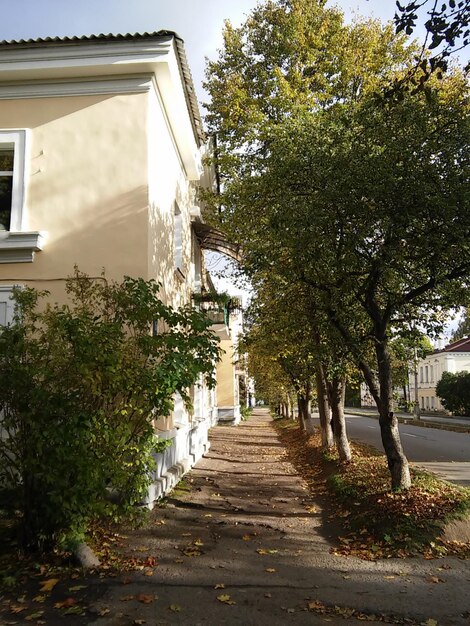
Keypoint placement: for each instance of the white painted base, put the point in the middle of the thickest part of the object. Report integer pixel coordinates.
(189, 443)
(229, 415)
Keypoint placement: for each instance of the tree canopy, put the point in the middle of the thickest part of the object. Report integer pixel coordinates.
(328, 184)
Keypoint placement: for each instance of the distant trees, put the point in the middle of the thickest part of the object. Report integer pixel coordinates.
(454, 392)
(463, 328)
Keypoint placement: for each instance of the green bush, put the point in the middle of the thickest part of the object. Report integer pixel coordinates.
(80, 386)
(246, 412)
(454, 392)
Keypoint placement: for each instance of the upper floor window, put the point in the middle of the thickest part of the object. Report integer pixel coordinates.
(12, 163)
(178, 239)
(426, 369)
(421, 375)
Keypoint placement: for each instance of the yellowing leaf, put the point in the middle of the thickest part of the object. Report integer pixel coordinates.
(219, 586)
(48, 585)
(34, 616)
(226, 599)
(39, 599)
(175, 608)
(430, 622)
(271, 570)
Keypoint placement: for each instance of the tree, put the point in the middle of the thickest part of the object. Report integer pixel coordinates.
(356, 197)
(447, 24)
(463, 328)
(80, 387)
(454, 392)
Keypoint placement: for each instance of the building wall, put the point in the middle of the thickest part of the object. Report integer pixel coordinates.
(226, 394)
(86, 185)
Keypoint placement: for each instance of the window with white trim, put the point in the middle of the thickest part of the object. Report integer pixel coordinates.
(7, 306)
(12, 166)
(178, 239)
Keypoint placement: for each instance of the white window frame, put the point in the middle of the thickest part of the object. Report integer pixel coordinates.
(178, 238)
(18, 245)
(6, 292)
(17, 140)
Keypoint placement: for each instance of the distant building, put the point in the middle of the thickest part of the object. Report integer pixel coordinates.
(455, 357)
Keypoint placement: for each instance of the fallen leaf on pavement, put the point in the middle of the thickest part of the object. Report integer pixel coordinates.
(145, 598)
(48, 585)
(126, 598)
(34, 616)
(65, 604)
(175, 608)
(434, 579)
(271, 570)
(226, 599)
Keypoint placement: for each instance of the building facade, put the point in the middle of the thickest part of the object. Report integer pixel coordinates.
(454, 358)
(101, 158)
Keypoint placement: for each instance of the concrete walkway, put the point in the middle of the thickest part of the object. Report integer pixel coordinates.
(248, 530)
(247, 545)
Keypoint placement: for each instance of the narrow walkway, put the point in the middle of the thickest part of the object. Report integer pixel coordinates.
(246, 545)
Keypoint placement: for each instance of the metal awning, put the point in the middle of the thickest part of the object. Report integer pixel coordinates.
(211, 238)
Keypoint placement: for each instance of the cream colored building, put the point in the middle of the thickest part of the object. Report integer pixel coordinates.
(454, 358)
(101, 149)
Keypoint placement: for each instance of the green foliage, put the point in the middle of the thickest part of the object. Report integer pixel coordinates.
(246, 412)
(80, 386)
(463, 328)
(454, 392)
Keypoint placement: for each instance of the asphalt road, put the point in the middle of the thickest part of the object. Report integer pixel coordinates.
(444, 452)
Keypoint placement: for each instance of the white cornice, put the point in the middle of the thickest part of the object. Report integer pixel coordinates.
(53, 58)
(20, 247)
(139, 84)
(102, 68)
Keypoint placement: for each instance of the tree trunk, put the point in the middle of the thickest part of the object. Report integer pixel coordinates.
(337, 389)
(300, 408)
(323, 408)
(308, 421)
(396, 459)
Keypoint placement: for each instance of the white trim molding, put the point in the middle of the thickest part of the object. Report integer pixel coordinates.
(16, 247)
(17, 139)
(61, 88)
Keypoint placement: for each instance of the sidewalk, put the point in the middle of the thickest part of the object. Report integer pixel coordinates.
(247, 545)
(437, 419)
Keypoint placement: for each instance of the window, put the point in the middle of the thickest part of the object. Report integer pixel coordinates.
(432, 373)
(427, 373)
(420, 374)
(6, 305)
(427, 403)
(12, 163)
(178, 239)
(422, 402)
(432, 403)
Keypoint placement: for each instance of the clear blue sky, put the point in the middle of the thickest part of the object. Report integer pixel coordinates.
(198, 22)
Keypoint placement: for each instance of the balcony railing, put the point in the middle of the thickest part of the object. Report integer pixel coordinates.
(217, 306)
